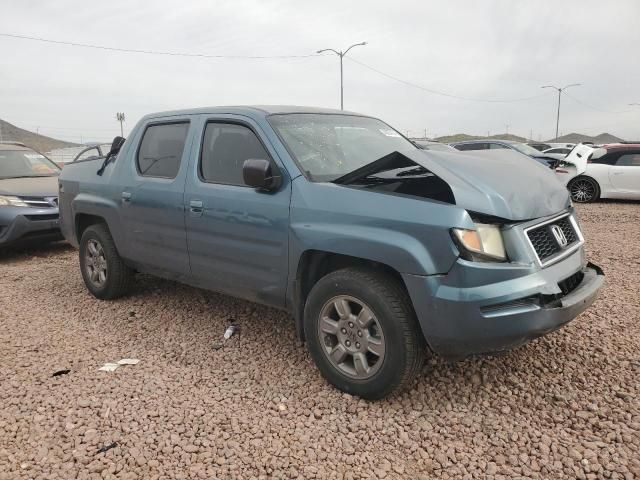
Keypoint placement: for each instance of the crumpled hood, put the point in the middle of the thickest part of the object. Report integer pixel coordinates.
(500, 185)
(30, 187)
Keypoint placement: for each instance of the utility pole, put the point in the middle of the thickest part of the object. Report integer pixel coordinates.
(120, 118)
(560, 90)
(507, 125)
(341, 54)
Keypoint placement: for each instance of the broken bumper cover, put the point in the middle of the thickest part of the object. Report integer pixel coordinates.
(36, 225)
(504, 314)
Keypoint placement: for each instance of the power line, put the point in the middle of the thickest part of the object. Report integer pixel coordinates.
(154, 52)
(444, 94)
(594, 107)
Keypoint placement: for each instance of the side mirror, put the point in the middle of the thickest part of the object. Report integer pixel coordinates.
(116, 145)
(258, 173)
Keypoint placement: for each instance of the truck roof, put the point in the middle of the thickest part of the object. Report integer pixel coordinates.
(252, 110)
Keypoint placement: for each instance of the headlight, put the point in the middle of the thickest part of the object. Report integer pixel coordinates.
(482, 244)
(6, 201)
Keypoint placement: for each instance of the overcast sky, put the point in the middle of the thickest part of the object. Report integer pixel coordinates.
(492, 50)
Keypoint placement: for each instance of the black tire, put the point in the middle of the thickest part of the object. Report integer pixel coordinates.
(584, 189)
(385, 297)
(118, 276)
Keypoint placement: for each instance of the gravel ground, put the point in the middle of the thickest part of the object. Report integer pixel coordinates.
(564, 406)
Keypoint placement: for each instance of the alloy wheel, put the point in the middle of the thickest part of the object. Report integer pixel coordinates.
(351, 337)
(583, 190)
(96, 263)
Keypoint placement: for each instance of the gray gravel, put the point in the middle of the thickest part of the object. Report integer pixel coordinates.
(564, 406)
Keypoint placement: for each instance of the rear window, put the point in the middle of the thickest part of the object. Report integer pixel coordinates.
(161, 149)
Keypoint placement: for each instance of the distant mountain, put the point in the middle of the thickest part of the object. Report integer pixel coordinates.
(570, 138)
(461, 137)
(579, 137)
(40, 143)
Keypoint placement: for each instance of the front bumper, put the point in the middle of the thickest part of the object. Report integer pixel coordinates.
(460, 317)
(23, 224)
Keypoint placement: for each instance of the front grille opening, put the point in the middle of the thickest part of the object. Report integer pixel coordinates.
(41, 233)
(566, 286)
(569, 284)
(544, 242)
(49, 216)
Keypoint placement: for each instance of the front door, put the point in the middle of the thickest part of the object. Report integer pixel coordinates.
(152, 199)
(237, 235)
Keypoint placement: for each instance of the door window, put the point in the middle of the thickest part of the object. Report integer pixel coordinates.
(161, 150)
(497, 146)
(225, 147)
(629, 160)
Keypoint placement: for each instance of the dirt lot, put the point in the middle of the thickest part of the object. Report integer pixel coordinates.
(567, 405)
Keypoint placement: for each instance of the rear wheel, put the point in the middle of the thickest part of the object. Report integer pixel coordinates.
(584, 189)
(362, 332)
(104, 272)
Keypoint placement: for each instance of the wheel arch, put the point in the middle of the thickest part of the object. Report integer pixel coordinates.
(315, 264)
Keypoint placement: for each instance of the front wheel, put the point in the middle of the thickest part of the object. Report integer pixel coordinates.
(584, 190)
(362, 332)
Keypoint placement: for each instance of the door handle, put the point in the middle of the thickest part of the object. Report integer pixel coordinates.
(618, 173)
(196, 207)
(126, 196)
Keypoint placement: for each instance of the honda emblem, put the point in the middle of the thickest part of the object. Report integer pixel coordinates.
(559, 235)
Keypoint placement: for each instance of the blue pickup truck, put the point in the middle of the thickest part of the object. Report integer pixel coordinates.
(381, 251)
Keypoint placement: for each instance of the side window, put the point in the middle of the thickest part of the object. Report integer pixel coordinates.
(225, 147)
(161, 149)
(629, 160)
(496, 146)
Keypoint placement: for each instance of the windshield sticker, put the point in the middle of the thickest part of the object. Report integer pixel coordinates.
(389, 133)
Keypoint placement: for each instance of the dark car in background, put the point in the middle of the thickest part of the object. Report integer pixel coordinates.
(28, 196)
(433, 145)
(540, 146)
(506, 144)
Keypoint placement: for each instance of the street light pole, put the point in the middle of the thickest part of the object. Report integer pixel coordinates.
(120, 118)
(560, 90)
(341, 54)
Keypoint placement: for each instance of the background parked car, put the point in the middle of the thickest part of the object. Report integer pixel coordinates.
(28, 196)
(499, 144)
(431, 145)
(540, 146)
(608, 171)
(559, 153)
(94, 151)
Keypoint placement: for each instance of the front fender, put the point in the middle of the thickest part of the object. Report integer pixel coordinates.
(410, 235)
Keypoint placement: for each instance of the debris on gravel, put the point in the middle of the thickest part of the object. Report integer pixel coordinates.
(566, 405)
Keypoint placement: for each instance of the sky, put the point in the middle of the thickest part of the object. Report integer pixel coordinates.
(495, 54)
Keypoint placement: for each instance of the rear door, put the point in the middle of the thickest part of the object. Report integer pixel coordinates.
(237, 236)
(152, 198)
(624, 175)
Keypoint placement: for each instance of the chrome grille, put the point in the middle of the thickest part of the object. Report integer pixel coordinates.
(549, 244)
(40, 202)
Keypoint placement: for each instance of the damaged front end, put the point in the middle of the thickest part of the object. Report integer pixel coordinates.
(512, 191)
